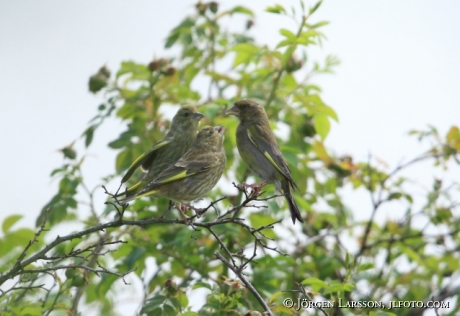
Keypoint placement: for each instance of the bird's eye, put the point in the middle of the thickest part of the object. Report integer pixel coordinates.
(186, 114)
(211, 132)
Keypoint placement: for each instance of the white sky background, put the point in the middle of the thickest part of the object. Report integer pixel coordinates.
(400, 70)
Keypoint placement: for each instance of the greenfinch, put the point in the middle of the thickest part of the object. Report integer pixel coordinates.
(260, 152)
(161, 155)
(193, 175)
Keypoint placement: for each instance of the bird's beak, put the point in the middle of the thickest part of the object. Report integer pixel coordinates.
(220, 129)
(233, 111)
(197, 116)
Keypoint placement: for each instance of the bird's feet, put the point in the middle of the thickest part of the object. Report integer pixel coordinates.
(198, 211)
(255, 187)
(183, 208)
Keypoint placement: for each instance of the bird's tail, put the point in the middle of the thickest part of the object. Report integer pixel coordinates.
(295, 213)
(131, 191)
(144, 192)
(126, 200)
(131, 194)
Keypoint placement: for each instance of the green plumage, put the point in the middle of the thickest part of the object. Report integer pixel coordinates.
(195, 174)
(167, 151)
(259, 150)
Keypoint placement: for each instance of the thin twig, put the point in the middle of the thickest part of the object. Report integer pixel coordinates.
(27, 288)
(246, 283)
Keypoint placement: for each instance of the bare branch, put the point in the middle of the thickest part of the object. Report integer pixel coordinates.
(27, 288)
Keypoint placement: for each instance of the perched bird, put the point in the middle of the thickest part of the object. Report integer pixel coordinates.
(167, 151)
(192, 176)
(259, 150)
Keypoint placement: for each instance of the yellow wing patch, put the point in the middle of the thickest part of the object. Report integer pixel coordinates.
(252, 140)
(177, 176)
(266, 154)
(157, 146)
(135, 187)
(146, 193)
(273, 162)
(140, 159)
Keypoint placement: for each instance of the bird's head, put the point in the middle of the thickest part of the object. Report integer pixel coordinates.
(187, 116)
(211, 138)
(247, 110)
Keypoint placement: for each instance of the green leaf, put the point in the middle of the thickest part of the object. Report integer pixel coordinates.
(32, 311)
(68, 186)
(260, 219)
(315, 283)
(190, 72)
(217, 77)
(319, 24)
(96, 83)
(119, 143)
(278, 9)
(201, 284)
(365, 266)
(442, 215)
(305, 37)
(287, 33)
(168, 310)
(104, 286)
(412, 255)
(20, 237)
(182, 298)
(171, 39)
(322, 125)
(335, 287)
(244, 53)
(156, 312)
(408, 198)
(284, 43)
(89, 133)
(153, 304)
(10, 221)
(69, 152)
(328, 111)
(315, 7)
(453, 138)
(395, 196)
(137, 71)
(124, 159)
(315, 105)
(321, 152)
(56, 171)
(289, 82)
(275, 296)
(242, 10)
(134, 255)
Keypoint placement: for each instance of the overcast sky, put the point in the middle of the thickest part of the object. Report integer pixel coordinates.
(400, 70)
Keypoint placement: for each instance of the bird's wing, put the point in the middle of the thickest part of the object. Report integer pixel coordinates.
(182, 169)
(146, 159)
(267, 145)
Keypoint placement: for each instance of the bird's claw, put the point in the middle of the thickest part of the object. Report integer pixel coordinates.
(198, 211)
(182, 210)
(255, 187)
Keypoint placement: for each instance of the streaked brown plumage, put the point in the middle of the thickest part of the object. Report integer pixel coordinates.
(171, 148)
(195, 174)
